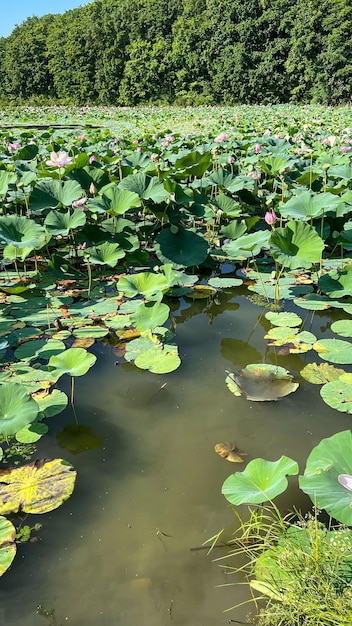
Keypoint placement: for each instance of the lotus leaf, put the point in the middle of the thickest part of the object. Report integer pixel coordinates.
(146, 187)
(74, 361)
(37, 487)
(139, 346)
(261, 481)
(39, 349)
(230, 207)
(223, 283)
(279, 335)
(338, 283)
(342, 327)
(183, 247)
(93, 332)
(320, 374)
(334, 350)
(7, 544)
(308, 205)
(51, 403)
(21, 232)
(330, 458)
(297, 245)
(61, 223)
(117, 201)
(48, 193)
(247, 245)
(17, 408)
(151, 286)
(149, 315)
(159, 359)
(262, 382)
(315, 302)
(77, 438)
(93, 308)
(338, 395)
(105, 254)
(283, 319)
(31, 433)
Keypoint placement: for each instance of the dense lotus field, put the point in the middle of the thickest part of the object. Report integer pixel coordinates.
(110, 215)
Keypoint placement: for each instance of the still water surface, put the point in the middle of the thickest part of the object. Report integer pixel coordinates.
(121, 551)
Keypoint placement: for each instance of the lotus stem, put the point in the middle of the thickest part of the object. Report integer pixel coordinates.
(89, 278)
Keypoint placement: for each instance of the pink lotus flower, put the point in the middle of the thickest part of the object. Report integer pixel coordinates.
(153, 157)
(59, 159)
(230, 159)
(80, 204)
(345, 148)
(164, 144)
(258, 148)
(270, 217)
(139, 149)
(92, 189)
(92, 159)
(13, 146)
(81, 137)
(221, 137)
(254, 175)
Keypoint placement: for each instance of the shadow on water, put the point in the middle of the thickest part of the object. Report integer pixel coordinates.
(121, 552)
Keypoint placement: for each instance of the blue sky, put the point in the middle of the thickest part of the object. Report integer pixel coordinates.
(16, 11)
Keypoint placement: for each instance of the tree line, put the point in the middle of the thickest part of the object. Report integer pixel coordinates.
(128, 52)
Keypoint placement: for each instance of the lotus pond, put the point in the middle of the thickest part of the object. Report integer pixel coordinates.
(172, 281)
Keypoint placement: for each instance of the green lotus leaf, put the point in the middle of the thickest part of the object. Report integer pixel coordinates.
(315, 302)
(262, 382)
(159, 359)
(53, 403)
(39, 349)
(31, 433)
(93, 308)
(90, 332)
(247, 245)
(105, 254)
(300, 343)
(308, 205)
(272, 165)
(334, 350)
(183, 247)
(223, 283)
(119, 321)
(297, 245)
(139, 346)
(177, 277)
(74, 361)
(6, 178)
(279, 335)
(48, 193)
(330, 458)
(149, 315)
(338, 283)
(7, 544)
(191, 163)
(261, 481)
(146, 187)
(17, 408)
(77, 438)
(200, 292)
(37, 487)
(151, 286)
(338, 395)
(21, 232)
(227, 205)
(117, 201)
(284, 319)
(342, 327)
(320, 374)
(61, 223)
(340, 171)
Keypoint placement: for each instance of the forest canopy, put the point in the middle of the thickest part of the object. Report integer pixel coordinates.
(187, 52)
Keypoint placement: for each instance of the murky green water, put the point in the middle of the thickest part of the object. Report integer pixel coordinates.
(121, 551)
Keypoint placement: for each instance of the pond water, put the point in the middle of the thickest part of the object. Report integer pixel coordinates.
(126, 548)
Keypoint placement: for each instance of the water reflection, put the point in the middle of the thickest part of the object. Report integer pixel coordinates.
(120, 551)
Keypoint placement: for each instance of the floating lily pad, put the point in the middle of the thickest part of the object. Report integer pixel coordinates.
(284, 319)
(320, 374)
(222, 283)
(338, 394)
(149, 315)
(39, 349)
(261, 481)
(51, 403)
(329, 459)
(159, 359)
(137, 347)
(17, 408)
(93, 332)
(262, 382)
(7, 544)
(342, 327)
(334, 350)
(77, 438)
(37, 487)
(280, 335)
(315, 302)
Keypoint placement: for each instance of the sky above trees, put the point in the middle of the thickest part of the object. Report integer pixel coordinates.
(17, 11)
